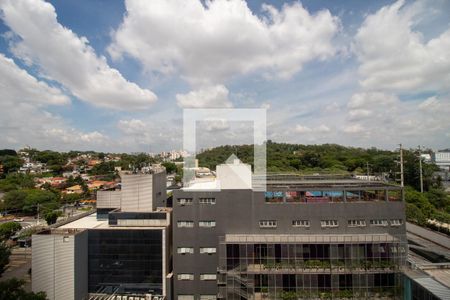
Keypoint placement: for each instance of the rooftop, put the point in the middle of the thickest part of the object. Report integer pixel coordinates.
(91, 222)
(88, 222)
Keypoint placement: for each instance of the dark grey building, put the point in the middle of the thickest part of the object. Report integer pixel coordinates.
(302, 238)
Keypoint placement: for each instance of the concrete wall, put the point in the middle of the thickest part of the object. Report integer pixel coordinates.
(57, 268)
(234, 176)
(159, 190)
(239, 212)
(137, 194)
(109, 199)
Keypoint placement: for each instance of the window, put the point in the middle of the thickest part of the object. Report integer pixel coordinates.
(356, 223)
(205, 250)
(185, 224)
(207, 200)
(379, 222)
(185, 297)
(208, 277)
(65, 239)
(208, 224)
(267, 224)
(185, 277)
(185, 250)
(184, 201)
(329, 223)
(396, 222)
(301, 223)
(208, 297)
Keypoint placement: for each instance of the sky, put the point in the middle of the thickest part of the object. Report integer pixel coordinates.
(115, 76)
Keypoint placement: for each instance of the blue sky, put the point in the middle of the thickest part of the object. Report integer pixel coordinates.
(115, 76)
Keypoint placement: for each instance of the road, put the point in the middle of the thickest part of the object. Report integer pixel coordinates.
(19, 264)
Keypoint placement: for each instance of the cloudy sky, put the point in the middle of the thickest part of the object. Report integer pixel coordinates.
(115, 76)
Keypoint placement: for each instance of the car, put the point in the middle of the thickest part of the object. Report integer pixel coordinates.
(18, 220)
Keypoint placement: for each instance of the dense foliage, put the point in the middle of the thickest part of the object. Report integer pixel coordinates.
(12, 289)
(307, 158)
(8, 229)
(4, 257)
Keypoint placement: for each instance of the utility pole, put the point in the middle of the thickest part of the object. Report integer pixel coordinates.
(402, 180)
(420, 170)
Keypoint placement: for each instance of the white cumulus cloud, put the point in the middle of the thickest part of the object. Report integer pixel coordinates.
(209, 42)
(395, 57)
(17, 86)
(61, 55)
(206, 97)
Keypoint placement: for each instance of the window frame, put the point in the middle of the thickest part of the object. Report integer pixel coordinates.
(268, 224)
(301, 223)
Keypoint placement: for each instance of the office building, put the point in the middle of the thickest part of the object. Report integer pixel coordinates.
(442, 159)
(120, 252)
(303, 238)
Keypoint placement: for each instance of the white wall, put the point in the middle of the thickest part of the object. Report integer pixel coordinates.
(234, 176)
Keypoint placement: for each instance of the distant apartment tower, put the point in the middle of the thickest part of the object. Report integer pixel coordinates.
(121, 252)
(442, 159)
(304, 238)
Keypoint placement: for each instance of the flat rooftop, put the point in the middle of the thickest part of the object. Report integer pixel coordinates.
(91, 222)
(88, 222)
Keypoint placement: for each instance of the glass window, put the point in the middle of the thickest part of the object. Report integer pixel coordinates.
(185, 277)
(267, 224)
(294, 196)
(208, 224)
(185, 224)
(185, 297)
(185, 250)
(329, 223)
(125, 258)
(274, 197)
(301, 223)
(208, 277)
(207, 201)
(356, 223)
(379, 222)
(184, 201)
(396, 222)
(206, 250)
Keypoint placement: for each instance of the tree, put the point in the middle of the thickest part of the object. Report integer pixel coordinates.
(170, 167)
(16, 181)
(439, 198)
(71, 198)
(46, 199)
(12, 289)
(4, 258)
(415, 215)
(8, 229)
(10, 163)
(9, 152)
(51, 217)
(14, 200)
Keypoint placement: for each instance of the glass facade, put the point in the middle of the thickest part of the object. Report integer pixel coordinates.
(326, 196)
(127, 260)
(305, 271)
